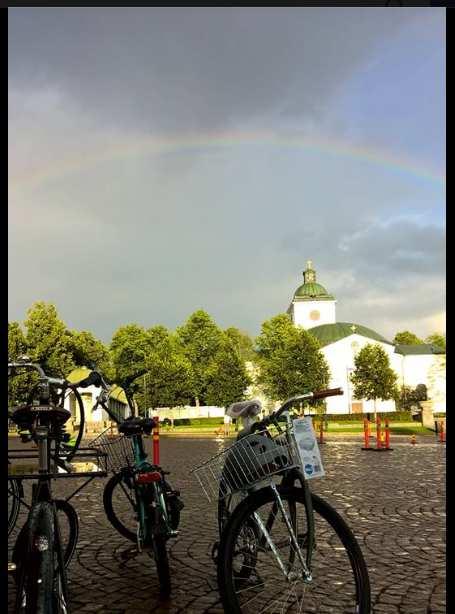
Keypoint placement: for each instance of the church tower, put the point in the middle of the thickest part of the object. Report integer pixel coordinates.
(312, 305)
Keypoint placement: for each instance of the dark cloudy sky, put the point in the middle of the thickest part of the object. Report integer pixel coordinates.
(163, 160)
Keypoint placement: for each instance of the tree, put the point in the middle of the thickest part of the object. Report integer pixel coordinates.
(409, 398)
(373, 377)
(200, 339)
(129, 349)
(48, 340)
(167, 381)
(227, 378)
(438, 340)
(19, 385)
(242, 342)
(290, 359)
(406, 338)
(17, 345)
(91, 352)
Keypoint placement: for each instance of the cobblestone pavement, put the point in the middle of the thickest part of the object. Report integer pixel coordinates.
(394, 502)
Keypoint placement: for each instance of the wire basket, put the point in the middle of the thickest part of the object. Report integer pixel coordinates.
(118, 449)
(250, 460)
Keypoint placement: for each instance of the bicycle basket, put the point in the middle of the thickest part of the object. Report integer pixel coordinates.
(118, 448)
(250, 460)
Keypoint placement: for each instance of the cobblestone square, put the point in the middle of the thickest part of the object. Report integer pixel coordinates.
(394, 502)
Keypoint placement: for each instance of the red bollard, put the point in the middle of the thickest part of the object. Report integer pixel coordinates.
(156, 442)
(387, 434)
(441, 433)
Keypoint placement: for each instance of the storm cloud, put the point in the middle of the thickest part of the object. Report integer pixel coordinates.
(141, 186)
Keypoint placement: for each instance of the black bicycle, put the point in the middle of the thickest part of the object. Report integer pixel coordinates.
(41, 551)
(282, 548)
(138, 501)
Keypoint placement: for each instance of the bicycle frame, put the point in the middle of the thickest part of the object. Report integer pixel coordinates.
(42, 492)
(146, 530)
(289, 478)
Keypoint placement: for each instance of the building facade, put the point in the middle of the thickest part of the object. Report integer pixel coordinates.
(313, 308)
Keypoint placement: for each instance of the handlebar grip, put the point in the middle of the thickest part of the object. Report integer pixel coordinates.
(329, 392)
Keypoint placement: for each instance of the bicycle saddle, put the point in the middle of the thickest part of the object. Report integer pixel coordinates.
(136, 426)
(25, 415)
(242, 409)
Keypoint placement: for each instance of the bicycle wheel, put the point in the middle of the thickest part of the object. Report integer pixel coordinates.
(162, 564)
(36, 564)
(339, 581)
(119, 500)
(69, 533)
(14, 503)
(71, 398)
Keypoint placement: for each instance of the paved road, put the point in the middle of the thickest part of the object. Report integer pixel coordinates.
(394, 502)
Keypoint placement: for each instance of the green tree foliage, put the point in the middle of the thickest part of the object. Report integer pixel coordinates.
(406, 338)
(48, 340)
(167, 382)
(19, 385)
(129, 349)
(200, 339)
(227, 378)
(17, 345)
(290, 359)
(91, 352)
(373, 377)
(437, 339)
(410, 397)
(242, 343)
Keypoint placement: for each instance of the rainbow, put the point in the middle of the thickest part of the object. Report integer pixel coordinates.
(209, 143)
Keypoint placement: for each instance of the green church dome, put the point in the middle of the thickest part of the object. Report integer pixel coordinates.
(310, 290)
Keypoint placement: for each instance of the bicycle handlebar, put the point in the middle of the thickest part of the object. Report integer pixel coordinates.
(53, 381)
(319, 394)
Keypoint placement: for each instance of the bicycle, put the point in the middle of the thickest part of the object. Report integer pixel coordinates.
(282, 548)
(40, 556)
(153, 508)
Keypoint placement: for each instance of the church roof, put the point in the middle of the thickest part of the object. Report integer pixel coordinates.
(421, 348)
(330, 333)
(310, 290)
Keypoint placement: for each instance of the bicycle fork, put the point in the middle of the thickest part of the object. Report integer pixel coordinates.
(290, 575)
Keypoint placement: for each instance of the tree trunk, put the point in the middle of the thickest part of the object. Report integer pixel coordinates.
(375, 415)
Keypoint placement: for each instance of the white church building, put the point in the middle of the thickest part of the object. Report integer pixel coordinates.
(313, 308)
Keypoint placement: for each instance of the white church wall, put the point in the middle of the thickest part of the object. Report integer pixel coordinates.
(302, 311)
(340, 358)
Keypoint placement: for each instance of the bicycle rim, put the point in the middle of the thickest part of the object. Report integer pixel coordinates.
(13, 504)
(274, 582)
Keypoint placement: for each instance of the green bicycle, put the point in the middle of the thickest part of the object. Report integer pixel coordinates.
(138, 501)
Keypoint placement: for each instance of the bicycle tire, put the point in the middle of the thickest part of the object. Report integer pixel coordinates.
(14, 504)
(125, 524)
(118, 481)
(358, 582)
(71, 542)
(162, 565)
(69, 451)
(36, 565)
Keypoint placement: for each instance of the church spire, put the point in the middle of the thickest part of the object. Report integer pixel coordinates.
(309, 275)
